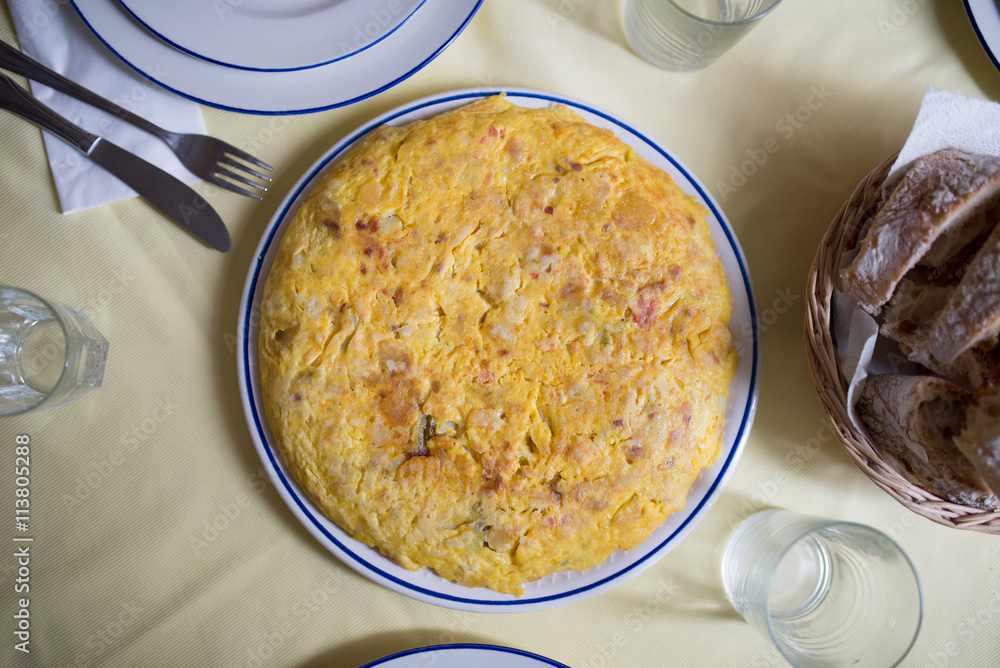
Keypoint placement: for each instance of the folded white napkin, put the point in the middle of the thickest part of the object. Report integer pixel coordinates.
(944, 120)
(54, 34)
(948, 120)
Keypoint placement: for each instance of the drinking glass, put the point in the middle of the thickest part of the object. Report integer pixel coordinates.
(685, 35)
(826, 592)
(50, 353)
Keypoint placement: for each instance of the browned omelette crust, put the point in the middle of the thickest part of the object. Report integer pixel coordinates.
(495, 343)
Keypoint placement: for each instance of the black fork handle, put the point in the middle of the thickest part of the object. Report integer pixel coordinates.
(16, 99)
(13, 60)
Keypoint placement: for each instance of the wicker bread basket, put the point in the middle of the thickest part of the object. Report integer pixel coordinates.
(831, 385)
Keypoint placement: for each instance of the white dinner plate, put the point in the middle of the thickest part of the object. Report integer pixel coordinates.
(268, 36)
(985, 18)
(559, 588)
(414, 44)
(463, 656)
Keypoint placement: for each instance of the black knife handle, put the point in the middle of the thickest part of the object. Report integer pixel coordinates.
(13, 60)
(16, 99)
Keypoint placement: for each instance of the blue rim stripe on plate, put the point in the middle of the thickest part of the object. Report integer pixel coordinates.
(473, 646)
(980, 35)
(310, 110)
(745, 420)
(194, 54)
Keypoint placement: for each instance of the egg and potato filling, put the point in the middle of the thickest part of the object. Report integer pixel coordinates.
(495, 343)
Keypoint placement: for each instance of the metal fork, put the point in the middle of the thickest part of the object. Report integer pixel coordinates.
(206, 157)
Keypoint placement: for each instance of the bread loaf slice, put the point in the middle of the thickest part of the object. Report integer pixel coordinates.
(912, 421)
(979, 440)
(908, 320)
(910, 314)
(976, 368)
(946, 259)
(972, 312)
(940, 192)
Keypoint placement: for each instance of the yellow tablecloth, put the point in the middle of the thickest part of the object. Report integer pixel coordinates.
(127, 482)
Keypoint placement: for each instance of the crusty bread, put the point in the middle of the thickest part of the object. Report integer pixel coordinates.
(914, 307)
(908, 320)
(976, 368)
(980, 439)
(940, 193)
(972, 313)
(946, 259)
(913, 420)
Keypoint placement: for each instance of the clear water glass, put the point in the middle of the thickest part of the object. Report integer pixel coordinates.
(685, 35)
(50, 354)
(825, 592)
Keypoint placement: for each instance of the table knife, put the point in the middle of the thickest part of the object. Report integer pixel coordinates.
(164, 191)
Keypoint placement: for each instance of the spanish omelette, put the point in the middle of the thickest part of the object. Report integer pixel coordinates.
(495, 343)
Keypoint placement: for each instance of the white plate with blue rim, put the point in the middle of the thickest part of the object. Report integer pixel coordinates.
(463, 656)
(267, 36)
(985, 18)
(414, 44)
(564, 587)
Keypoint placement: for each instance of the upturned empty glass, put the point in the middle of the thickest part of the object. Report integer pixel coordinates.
(50, 353)
(825, 592)
(685, 35)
